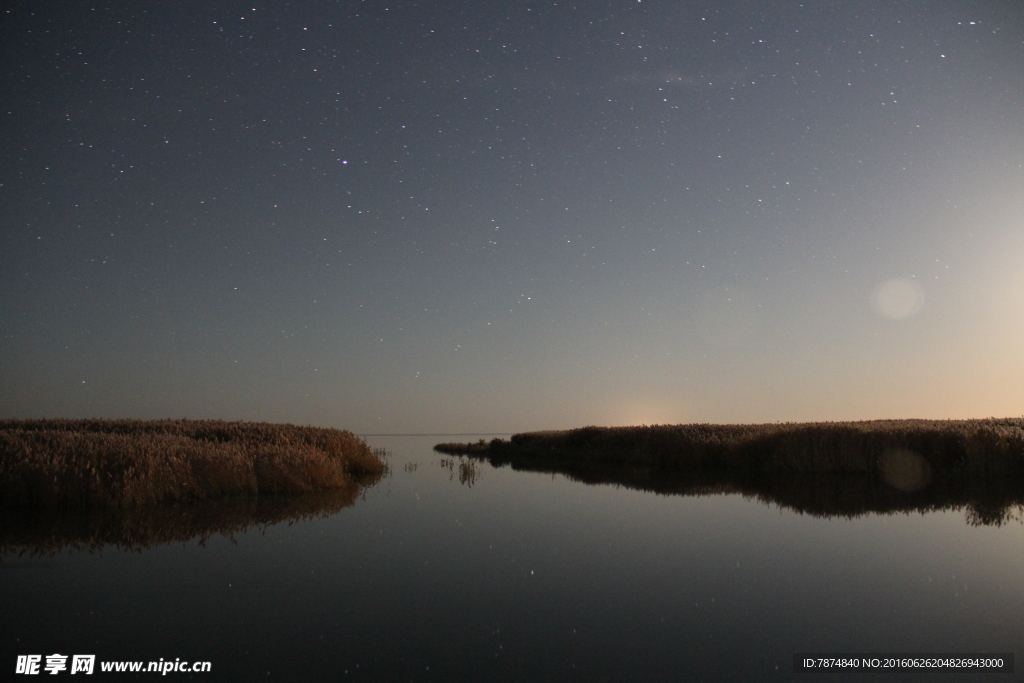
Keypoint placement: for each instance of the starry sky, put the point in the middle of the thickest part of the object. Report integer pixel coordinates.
(484, 216)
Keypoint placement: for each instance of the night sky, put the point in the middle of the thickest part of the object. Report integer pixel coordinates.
(505, 216)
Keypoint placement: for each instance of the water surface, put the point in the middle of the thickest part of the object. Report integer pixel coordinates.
(442, 573)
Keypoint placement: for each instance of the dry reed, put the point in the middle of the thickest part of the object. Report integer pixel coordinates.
(123, 463)
(971, 447)
(823, 469)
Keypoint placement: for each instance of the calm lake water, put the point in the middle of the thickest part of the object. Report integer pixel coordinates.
(516, 576)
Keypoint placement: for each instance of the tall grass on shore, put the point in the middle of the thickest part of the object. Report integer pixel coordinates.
(824, 469)
(124, 463)
(980, 447)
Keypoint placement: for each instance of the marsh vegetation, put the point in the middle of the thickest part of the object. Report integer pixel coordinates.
(825, 469)
(465, 468)
(127, 463)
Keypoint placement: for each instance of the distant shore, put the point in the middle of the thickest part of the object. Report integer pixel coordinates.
(824, 468)
(978, 446)
(125, 463)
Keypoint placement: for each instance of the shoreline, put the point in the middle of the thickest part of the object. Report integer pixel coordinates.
(844, 469)
(984, 446)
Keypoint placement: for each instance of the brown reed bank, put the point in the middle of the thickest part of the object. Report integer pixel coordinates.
(823, 469)
(124, 463)
(988, 446)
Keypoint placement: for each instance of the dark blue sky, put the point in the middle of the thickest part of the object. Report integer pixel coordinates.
(473, 216)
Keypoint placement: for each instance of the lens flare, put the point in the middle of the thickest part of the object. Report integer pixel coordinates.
(897, 299)
(904, 469)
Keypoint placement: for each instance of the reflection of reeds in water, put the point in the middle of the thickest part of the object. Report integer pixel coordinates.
(467, 470)
(46, 531)
(118, 463)
(826, 469)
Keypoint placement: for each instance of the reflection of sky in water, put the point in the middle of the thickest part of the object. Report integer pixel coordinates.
(527, 576)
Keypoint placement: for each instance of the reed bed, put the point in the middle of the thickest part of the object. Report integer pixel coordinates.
(972, 447)
(823, 469)
(127, 463)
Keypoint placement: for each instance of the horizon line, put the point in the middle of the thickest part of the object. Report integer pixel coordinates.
(440, 434)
